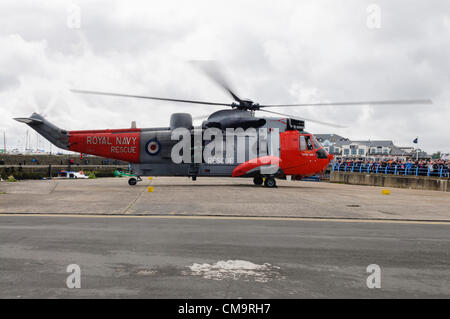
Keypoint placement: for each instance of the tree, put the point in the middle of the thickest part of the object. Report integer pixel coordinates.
(436, 155)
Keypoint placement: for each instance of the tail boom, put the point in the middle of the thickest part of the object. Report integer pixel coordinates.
(121, 144)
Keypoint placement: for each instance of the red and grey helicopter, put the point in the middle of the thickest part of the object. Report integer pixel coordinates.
(282, 145)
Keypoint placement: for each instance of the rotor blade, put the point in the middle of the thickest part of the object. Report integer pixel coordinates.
(305, 119)
(388, 102)
(148, 97)
(213, 71)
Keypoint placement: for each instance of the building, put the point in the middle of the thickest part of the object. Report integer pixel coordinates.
(332, 142)
(342, 147)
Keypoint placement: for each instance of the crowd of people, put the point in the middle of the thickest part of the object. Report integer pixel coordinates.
(436, 167)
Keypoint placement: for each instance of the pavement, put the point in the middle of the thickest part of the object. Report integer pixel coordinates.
(209, 257)
(221, 196)
(221, 238)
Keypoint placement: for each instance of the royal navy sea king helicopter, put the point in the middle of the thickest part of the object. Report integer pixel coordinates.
(239, 143)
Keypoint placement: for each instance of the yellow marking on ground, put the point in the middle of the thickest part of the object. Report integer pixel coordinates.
(209, 217)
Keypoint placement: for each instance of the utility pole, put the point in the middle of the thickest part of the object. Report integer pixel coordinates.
(4, 142)
(417, 149)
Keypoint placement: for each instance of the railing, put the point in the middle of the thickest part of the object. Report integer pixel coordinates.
(406, 170)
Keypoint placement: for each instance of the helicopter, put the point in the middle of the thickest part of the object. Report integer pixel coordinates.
(231, 142)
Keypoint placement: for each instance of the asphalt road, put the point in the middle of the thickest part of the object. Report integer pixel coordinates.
(214, 257)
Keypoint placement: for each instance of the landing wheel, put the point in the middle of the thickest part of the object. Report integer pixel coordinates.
(132, 181)
(258, 180)
(270, 182)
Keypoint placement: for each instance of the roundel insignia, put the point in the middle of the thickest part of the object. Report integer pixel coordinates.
(153, 147)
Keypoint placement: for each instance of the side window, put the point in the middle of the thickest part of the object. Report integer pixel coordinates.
(302, 143)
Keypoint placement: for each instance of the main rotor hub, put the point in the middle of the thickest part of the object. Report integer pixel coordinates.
(246, 104)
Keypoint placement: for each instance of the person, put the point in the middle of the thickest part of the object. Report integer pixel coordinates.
(408, 165)
(430, 166)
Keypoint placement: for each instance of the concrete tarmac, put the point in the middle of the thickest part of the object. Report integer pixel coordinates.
(209, 257)
(221, 196)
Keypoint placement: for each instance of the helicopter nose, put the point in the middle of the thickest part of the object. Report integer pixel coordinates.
(327, 161)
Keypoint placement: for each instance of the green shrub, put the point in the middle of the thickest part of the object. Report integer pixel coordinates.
(11, 179)
(91, 175)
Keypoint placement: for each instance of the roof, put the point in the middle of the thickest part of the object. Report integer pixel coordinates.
(333, 138)
(398, 151)
(375, 143)
(340, 140)
(367, 143)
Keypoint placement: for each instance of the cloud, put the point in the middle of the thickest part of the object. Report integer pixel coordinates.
(283, 52)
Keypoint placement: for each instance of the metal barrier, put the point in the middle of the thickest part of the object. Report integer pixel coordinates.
(406, 170)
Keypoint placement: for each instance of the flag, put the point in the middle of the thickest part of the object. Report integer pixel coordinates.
(416, 140)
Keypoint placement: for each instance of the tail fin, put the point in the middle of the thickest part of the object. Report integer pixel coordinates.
(51, 132)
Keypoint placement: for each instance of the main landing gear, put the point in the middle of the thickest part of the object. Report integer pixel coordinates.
(133, 181)
(258, 180)
(267, 181)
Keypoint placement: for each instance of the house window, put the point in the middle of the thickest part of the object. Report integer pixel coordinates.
(346, 151)
(361, 151)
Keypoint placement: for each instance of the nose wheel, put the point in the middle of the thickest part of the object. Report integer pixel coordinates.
(133, 181)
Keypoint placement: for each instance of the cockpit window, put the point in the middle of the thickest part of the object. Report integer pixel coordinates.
(316, 143)
(309, 144)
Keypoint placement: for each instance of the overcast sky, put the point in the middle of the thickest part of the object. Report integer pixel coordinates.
(273, 51)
